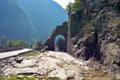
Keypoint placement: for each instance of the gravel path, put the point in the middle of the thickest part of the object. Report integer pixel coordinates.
(13, 53)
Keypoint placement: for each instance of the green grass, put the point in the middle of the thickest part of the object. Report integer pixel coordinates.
(25, 77)
(2, 78)
(33, 53)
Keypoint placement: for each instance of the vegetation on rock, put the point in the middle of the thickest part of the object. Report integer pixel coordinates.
(33, 53)
(76, 5)
(38, 45)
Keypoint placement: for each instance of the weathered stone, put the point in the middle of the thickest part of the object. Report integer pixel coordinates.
(60, 30)
(49, 64)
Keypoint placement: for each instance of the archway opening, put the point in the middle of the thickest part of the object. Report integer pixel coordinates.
(60, 43)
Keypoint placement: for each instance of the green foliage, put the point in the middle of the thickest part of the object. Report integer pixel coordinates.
(16, 44)
(33, 53)
(69, 7)
(25, 77)
(12, 77)
(38, 45)
(2, 41)
(118, 33)
(88, 25)
(2, 78)
(76, 5)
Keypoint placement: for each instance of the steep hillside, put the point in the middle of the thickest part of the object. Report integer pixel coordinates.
(29, 20)
(14, 22)
(45, 15)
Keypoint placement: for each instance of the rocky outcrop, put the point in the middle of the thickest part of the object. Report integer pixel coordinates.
(60, 30)
(48, 64)
(100, 38)
(76, 18)
(96, 32)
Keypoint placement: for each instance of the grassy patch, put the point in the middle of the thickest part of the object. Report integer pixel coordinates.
(98, 78)
(87, 27)
(2, 78)
(33, 53)
(25, 77)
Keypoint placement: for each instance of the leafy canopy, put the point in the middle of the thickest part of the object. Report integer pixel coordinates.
(76, 5)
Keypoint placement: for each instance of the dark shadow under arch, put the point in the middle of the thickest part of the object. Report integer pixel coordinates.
(59, 44)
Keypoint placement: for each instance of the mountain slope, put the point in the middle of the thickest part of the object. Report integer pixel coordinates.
(45, 15)
(29, 20)
(14, 22)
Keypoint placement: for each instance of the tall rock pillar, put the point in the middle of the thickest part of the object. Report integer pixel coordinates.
(69, 42)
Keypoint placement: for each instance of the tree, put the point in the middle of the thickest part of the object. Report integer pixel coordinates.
(16, 44)
(76, 5)
(69, 7)
(38, 45)
(2, 41)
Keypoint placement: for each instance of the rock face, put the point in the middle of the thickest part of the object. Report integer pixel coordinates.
(48, 64)
(96, 32)
(102, 42)
(60, 30)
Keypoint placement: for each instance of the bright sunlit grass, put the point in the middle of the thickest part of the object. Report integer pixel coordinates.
(33, 53)
(25, 77)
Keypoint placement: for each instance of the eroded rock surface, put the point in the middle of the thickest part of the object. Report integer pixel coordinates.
(48, 64)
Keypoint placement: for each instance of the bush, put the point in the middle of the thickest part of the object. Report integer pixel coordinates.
(74, 6)
(38, 45)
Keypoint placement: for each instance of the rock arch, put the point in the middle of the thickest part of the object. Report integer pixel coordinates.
(59, 42)
(60, 30)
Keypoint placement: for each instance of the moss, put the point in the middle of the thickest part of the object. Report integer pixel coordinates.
(88, 25)
(118, 33)
(33, 53)
(2, 78)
